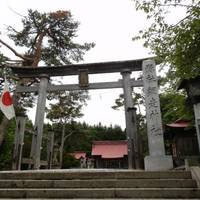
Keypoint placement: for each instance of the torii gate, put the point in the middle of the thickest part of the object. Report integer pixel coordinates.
(157, 160)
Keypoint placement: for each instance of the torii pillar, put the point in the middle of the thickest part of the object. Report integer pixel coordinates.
(39, 122)
(131, 125)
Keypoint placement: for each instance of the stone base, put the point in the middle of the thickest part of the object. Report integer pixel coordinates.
(158, 163)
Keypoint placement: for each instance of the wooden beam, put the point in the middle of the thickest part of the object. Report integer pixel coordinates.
(71, 87)
(74, 69)
(83, 78)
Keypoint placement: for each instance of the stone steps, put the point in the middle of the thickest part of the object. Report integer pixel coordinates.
(100, 193)
(93, 174)
(102, 199)
(97, 184)
(109, 183)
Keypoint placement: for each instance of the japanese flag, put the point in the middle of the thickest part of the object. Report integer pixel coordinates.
(6, 103)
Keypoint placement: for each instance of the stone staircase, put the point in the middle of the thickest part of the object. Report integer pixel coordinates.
(97, 184)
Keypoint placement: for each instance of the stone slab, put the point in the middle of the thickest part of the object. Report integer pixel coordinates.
(195, 171)
(101, 193)
(92, 174)
(104, 183)
(105, 199)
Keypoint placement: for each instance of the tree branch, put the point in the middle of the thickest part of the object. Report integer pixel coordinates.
(15, 52)
(178, 4)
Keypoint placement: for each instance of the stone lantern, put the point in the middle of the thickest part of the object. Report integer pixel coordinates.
(192, 87)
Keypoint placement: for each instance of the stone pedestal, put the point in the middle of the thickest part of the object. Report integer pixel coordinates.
(158, 163)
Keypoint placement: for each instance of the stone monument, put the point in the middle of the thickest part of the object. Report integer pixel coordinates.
(157, 160)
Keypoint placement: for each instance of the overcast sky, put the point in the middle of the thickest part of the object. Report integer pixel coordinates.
(110, 24)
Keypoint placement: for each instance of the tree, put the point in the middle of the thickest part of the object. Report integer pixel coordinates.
(85, 134)
(176, 44)
(174, 106)
(67, 108)
(47, 37)
(82, 136)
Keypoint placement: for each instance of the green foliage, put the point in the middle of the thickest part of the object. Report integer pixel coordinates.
(3, 60)
(79, 137)
(83, 135)
(57, 29)
(70, 162)
(138, 101)
(66, 106)
(6, 148)
(176, 44)
(4, 71)
(119, 102)
(174, 106)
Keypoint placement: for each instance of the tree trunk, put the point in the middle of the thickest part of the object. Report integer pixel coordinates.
(38, 50)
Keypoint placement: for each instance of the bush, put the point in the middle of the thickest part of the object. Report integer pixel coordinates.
(6, 149)
(70, 162)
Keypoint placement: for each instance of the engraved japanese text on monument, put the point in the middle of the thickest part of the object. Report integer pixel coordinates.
(153, 113)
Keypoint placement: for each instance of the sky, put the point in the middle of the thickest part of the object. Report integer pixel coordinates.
(110, 24)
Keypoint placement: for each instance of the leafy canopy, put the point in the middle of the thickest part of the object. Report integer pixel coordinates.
(174, 43)
(49, 37)
(68, 106)
(174, 107)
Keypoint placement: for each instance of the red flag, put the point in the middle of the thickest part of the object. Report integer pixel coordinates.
(6, 102)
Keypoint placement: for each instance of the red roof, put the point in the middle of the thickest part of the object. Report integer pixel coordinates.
(78, 154)
(110, 149)
(180, 123)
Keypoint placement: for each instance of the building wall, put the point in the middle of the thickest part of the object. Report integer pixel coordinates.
(117, 163)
